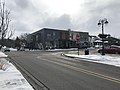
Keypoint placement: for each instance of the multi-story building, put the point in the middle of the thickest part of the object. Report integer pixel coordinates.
(53, 38)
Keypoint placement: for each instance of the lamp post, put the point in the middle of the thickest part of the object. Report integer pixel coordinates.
(103, 36)
(69, 38)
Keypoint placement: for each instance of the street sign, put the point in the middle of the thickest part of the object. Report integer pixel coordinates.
(77, 39)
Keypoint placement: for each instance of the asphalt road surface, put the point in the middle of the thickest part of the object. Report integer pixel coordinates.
(62, 73)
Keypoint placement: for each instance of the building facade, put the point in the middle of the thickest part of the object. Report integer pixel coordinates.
(108, 41)
(47, 38)
(113, 41)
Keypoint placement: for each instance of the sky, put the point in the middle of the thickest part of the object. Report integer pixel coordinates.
(78, 15)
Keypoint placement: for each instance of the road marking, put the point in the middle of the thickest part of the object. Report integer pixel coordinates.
(86, 71)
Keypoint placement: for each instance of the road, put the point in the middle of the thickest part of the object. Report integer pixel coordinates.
(57, 72)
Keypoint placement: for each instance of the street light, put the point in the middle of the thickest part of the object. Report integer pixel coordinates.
(69, 38)
(103, 36)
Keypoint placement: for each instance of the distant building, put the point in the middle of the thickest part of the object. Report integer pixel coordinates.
(113, 41)
(47, 38)
(97, 42)
(93, 40)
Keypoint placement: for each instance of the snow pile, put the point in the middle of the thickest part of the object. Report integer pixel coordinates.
(12, 49)
(2, 55)
(61, 49)
(11, 78)
(99, 59)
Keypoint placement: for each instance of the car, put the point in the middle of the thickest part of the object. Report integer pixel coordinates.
(111, 50)
(6, 49)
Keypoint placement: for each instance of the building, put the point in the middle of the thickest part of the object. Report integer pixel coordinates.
(113, 41)
(47, 38)
(92, 40)
(108, 41)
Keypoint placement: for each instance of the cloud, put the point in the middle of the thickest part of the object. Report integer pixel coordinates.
(94, 10)
(62, 22)
(30, 15)
(22, 4)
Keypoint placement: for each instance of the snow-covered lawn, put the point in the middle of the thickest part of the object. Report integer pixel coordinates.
(10, 77)
(107, 59)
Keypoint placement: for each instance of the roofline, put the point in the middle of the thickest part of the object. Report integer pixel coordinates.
(58, 30)
(64, 30)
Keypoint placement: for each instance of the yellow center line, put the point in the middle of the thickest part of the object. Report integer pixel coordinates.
(87, 71)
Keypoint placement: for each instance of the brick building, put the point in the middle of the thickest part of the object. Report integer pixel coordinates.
(47, 38)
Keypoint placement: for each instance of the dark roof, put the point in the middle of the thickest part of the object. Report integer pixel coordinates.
(61, 30)
(56, 30)
(53, 29)
(114, 38)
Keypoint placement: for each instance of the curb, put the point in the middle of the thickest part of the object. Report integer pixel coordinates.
(78, 57)
(67, 56)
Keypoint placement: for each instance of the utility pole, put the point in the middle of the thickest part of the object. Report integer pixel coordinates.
(103, 36)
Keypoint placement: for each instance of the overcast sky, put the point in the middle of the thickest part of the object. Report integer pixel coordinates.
(82, 15)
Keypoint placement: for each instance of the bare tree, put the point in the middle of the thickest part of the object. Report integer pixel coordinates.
(24, 36)
(10, 33)
(5, 31)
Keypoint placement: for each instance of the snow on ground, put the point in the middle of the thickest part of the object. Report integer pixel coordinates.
(12, 49)
(10, 77)
(2, 55)
(107, 59)
(110, 60)
(61, 49)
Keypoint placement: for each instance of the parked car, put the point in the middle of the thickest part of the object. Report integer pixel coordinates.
(111, 50)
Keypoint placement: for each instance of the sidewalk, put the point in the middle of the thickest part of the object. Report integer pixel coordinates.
(10, 77)
(95, 57)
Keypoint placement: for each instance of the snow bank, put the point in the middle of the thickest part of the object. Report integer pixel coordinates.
(12, 49)
(2, 55)
(61, 49)
(10, 77)
(99, 59)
